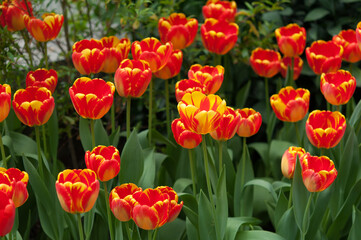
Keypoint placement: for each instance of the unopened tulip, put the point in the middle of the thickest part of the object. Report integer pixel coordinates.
(228, 125)
(287, 62)
(347, 39)
(46, 29)
(265, 62)
(288, 162)
(183, 136)
(5, 101)
(210, 77)
(291, 39)
(115, 51)
(250, 122)
(173, 66)
(220, 10)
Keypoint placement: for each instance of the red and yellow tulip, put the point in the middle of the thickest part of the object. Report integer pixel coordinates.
(12, 13)
(174, 206)
(17, 182)
(318, 173)
(104, 161)
(220, 10)
(173, 66)
(288, 162)
(132, 78)
(115, 51)
(183, 136)
(219, 36)
(325, 129)
(347, 39)
(178, 30)
(187, 86)
(265, 62)
(297, 68)
(5, 101)
(291, 105)
(91, 98)
(250, 122)
(77, 190)
(210, 77)
(46, 29)
(42, 78)
(291, 39)
(228, 125)
(33, 105)
(7, 214)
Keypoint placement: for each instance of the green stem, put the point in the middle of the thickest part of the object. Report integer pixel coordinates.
(2, 151)
(220, 156)
(290, 198)
(106, 196)
(267, 97)
(46, 54)
(338, 108)
(243, 161)
(167, 106)
(305, 217)
(299, 140)
(40, 161)
(80, 227)
(193, 170)
(26, 41)
(112, 116)
(205, 157)
(129, 100)
(150, 234)
(127, 228)
(155, 233)
(44, 139)
(150, 114)
(92, 132)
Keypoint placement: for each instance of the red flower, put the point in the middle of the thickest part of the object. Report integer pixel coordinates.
(14, 183)
(104, 161)
(291, 39)
(77, 190)
(183, 136)
(210, 77)
(152, 51)
(12, 13)
(219, 36)
(228, 125)
(220, 10)
(265, 62)
(92, 98)
(347, 39)
(358, 35)
(338, 87)
(46, 29)
(88, 56)
(115, 51)
(291, 105)
(187, 86)
(7, 214)
(324, 57)
(173, 66)
(318, 173)
(287, 61)
(178, 30)
(42, 78)
(325, 129)
(132, 78)
(250, 122)
(288, 162)
(33, 105)
(175, 207)
(120, 201)
(5, 101)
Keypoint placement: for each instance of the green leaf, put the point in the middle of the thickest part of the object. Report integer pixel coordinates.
(173, 230)
(242, 94)
(89, 222)
(192, 233)
(101, 136)
(114, 137)
(287, 226)
(257, 235)
(132, 158)
(316, 14)
(206, 221)
(53, 134)
(181, 184)
(356, 115)
(281, 208)
(355, 231)
(85, 135)
(263, 184)
(190, 207)
(276, 150)
(222, 204)
(234, 223)
(262, 149)
(148, 176)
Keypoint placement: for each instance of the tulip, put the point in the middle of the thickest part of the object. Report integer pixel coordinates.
(228, 125)
(7, 214)
(358, 35)
(33, 105)
(115, 51)
(178, 30)
(77, 190)
(12, 13)
(132, 78)
(291, 39)
(92, 98)
(325, 129)
(5, 101)
(172, 67)
(297, 68)
(104, 161)
(42, 78)
(219, 36)
(46, 29)
(210, 77)
(221, 10)
(288, 162)
(324, 57)
(152, 51)
(291, 105)
(183, 136)
(88, 56)
(187, 86)
(347, 39)
(17, 182)
(250, 122)
(265, 62)
(318, 173)
(151, 208)
(200, 113)
(338, 87)
(120, 200)
(175, 207)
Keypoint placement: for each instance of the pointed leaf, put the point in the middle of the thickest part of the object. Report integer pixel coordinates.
(101, 136)
(222, 204)
(234, 223)
(85, 135)
(206, 221)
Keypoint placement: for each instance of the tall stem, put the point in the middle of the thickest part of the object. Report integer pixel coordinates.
(220, 156)
(2, 151)
(267, 97)
(299, 140)
(167, 106)
(305, 217)
(40, 161)
(106, 196)
(150, 114)
(80, 227)
(243, 161)
(127, 228)
(46, 54)
(129, 100)
(150, 234)
(89, 18)
(193, 170)
(92, 132)
(26, 41)
(44, 139)
(205, 157)
(290, 197)
(155, 233)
